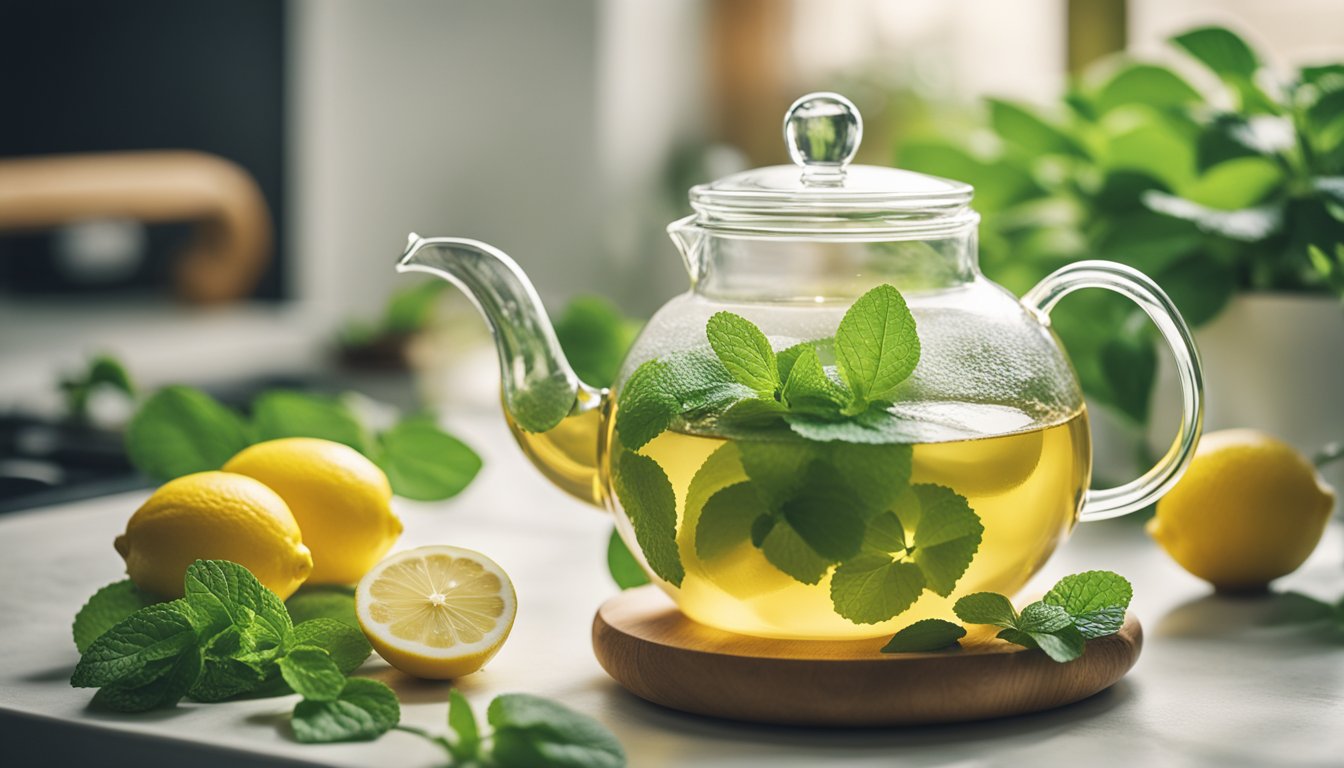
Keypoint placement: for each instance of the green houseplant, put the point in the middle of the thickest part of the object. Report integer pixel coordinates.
(1234, 186)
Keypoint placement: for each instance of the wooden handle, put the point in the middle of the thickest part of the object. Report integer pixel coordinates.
(232, 241)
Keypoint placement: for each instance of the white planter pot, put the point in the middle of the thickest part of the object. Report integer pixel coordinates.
(1273, 362)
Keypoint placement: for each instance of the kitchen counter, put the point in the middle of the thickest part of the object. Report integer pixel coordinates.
(1215, 685)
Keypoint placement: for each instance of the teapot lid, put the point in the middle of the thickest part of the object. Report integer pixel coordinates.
(822, 132)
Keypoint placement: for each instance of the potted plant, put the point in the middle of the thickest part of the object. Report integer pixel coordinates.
(1231, 196)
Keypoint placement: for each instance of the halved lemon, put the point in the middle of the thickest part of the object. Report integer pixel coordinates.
(436, 612)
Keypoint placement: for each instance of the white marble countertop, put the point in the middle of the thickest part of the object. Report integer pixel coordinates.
(1214, 685)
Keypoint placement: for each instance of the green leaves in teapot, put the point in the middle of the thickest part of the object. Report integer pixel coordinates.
(810, 467)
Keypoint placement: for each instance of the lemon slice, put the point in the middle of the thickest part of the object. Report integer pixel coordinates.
(436, 612)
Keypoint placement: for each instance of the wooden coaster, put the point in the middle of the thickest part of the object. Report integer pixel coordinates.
(658, 654)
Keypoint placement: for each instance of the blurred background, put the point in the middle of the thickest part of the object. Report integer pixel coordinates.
(215, 193)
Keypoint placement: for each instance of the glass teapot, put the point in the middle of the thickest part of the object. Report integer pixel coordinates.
(842, 427)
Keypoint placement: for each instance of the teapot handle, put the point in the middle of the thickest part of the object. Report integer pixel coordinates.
(1139, 288)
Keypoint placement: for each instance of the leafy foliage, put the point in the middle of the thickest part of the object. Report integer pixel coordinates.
(179, 430)
(1136, 165)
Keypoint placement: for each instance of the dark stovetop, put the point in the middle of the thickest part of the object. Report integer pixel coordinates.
(46, 461)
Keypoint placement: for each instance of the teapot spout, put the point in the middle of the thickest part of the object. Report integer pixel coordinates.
(540, 388)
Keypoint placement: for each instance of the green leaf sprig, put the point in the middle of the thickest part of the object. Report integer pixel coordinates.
(875, 349)
(1079, 608)
(228, 636)
(179, 430)
(830, 491)
(1208, 190)
(525, 732)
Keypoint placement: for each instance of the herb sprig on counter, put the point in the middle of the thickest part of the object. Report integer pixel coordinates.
(1077, 609)
(180, 430)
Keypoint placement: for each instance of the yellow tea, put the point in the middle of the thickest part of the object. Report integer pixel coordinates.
(1025, 487)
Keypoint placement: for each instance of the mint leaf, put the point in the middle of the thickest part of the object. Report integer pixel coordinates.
(543, 401)
(624, 568)
(1220, 50)
(347, 645)
(744, 351)
(364, 710)
(753, 413)
(107, 608)
(826, 514)
(1062, 645)
(595, 337)
(531, 731)
(808, 388)
(1041, 617)
(873, 426)
(1096, 600)
(879, 474)
(285, 413)
(872, 588)
(425, 463)
(223, 677)
(876, 346)
(787, 551)
(946, 537)
(180, 430)
(647, 497)
(721, 469)
(884, 535)
(647, 404)
(312, 673)
(322, 602)
(775, 468)
(761, 528)
(139, 649)
(925, 635)
(163, 684)
(466, 740)
(223, 593)
(726, 520)
(986, 608)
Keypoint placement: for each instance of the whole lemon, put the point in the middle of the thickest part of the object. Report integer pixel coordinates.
(1248, 510)
(213, 516)
(341, 500)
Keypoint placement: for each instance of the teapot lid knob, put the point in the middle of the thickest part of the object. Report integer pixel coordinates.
(823, 131)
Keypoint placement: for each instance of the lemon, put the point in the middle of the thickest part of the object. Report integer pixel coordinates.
(1248, 510)
(213, 516)
(341, 500)
(436, 612)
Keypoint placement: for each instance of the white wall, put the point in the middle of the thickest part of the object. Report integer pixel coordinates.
(539, 127)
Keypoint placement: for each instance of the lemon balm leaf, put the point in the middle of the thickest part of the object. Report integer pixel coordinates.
(532, 731)
(167, 682)
(108, 607)
(726, 520)
(986, 608)
(809, 388)
(180, 430)
(285, 413)
(322, 602)
(347, 645)
(647, 404)
(364, 710)
(130, 653)
(788, 552)
(425, 463)
(744, 351)
(873, 588)
(925, 635)
(1042, 617)
(312, 673)
(647, 497)
(624, 568)
(876, 346)
(1097, 601)
(223, 593)
(466, 740)
(946, 538)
